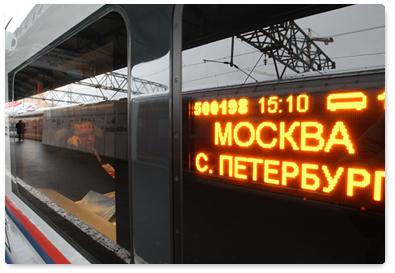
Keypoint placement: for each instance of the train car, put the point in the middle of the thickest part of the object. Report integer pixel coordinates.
(190, 159)
(33, 122)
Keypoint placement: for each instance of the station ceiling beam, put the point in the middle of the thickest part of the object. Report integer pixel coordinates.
(52, 97)
(111, 82)
(118, 82)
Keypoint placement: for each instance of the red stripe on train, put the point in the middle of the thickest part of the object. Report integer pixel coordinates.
(49, 248)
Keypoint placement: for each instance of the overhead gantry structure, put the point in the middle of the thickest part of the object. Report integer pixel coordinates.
(108, 85)
(286, 43)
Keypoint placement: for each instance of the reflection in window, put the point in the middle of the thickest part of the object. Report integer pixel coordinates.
(151, 77)
(75, 147)
(215, 65)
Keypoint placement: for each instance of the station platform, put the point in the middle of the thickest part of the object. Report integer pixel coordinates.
(70, 173)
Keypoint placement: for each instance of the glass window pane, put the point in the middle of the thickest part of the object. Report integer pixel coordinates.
(71, 113)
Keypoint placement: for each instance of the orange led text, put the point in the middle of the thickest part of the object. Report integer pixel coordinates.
(306, 176)
(310, 132)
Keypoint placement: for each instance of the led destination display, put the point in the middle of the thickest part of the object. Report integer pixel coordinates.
(326, 146)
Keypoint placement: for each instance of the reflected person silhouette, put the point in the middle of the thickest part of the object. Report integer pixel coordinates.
(20, 130)
(83, 139)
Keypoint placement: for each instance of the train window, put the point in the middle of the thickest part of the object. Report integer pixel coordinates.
(276, 171)
(76, 166)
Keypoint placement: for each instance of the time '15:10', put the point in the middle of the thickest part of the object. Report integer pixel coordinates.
(271, 105)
